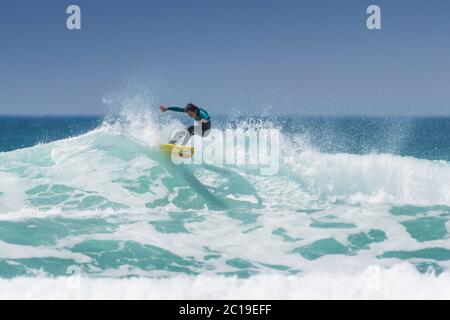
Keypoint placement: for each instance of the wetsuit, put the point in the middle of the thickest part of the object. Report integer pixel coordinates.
(201, 115)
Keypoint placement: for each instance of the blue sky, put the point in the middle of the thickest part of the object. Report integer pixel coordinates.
(312, 57)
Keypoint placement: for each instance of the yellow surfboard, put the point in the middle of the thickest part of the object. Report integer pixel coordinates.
(182, 151)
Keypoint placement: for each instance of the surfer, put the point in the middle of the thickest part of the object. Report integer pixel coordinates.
(198, 114)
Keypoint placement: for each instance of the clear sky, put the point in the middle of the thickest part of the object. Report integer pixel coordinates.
(307, 57)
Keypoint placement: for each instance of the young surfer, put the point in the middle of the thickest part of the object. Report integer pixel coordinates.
(198, 114)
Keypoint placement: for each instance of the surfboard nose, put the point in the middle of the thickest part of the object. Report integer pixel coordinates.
(183, 151)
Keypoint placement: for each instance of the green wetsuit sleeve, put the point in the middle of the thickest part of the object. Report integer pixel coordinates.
(176, 109)
(202, 114)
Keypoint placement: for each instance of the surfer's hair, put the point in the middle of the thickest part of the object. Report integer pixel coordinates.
(191, 107)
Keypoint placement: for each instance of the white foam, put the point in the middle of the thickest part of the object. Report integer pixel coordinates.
(399, 282)
(374, 178)
(13, 251)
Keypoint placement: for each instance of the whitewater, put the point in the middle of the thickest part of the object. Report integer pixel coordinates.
(105, 214)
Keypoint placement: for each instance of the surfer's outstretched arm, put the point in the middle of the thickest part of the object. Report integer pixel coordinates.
(176, 109)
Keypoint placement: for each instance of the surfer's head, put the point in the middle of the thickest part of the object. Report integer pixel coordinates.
(191, 110)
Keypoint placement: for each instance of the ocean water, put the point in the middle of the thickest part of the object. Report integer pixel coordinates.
(89, 207)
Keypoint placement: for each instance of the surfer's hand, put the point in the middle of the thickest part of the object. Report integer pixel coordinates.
(163, 108)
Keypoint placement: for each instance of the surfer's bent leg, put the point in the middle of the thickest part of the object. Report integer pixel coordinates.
(205, 128)
(180, 134)
(188, 135)
(191, 131)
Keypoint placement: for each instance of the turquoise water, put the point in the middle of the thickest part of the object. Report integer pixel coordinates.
(81, 196)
